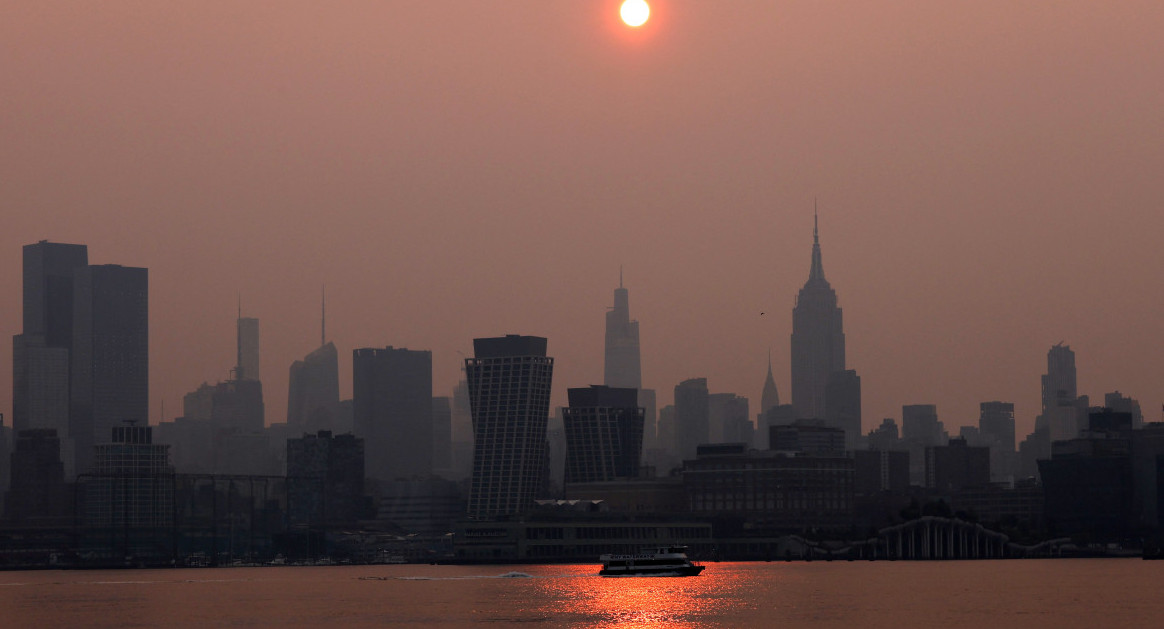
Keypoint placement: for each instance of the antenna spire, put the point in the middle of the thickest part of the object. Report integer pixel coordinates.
(620, 276)
(323, 316)
(815, 232)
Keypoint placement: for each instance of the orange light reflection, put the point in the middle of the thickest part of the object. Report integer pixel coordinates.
(641, 602)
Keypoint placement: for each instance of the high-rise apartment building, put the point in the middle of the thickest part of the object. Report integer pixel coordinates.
(604, 434)
(109, 368)
(818, 339)
(392, 401)
(509, 382)
(692, 416)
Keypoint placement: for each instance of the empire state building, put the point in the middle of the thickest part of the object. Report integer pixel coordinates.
(818, 340)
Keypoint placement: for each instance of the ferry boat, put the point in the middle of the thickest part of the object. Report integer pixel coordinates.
(662, 561)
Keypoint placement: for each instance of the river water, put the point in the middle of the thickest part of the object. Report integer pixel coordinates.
(835, 595)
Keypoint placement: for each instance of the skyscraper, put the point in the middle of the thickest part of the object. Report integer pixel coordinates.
(313, 390)
(818, 339)
(996, 427)
(622, 366)
(728, 419)
(1064, 411)
(770, 397)
(109, 370)
(692, 416)
(41, 355)
(313, 396)
(604, 434)
(247, 367)
(509, 391)
(392, 399)
(843, 405)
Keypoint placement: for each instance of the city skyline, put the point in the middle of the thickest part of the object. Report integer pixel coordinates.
(986, 176)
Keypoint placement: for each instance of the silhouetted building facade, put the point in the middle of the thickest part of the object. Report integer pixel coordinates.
(728, 420)
(818, 340)
(692, 416)
(325, 479)
(920, 429)
(509, 391)
(313, 390)
(996, 431)
(42, 354)
(392, 399)
(131, 484)
(622, 367)
(879, 471)
(248, 349)
(779, 415)
(40, 380)
(37, 488)
(1118, 402)
(885, 436)
(109, 379)
(956, 466)
(771, 490)
(808, 437)
(843, 405)
(442, 434)
(604, 434)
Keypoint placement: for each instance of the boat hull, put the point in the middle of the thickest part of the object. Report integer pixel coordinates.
(652, 571)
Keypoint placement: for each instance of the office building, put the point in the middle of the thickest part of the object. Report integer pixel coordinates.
(956, 466)
(247, 366)
(132, 482)
(325, 479)
(313, 390)
(692, 416)
(996, 431)
(843, 405)
(109, 367)
(509, 391)
(621, 365)
(729, 419)
(37, 488)
(818, 339)
(920, 429)
(41, 355)
(392, 401)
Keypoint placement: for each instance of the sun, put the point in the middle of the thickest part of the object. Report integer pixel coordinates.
(635, 12)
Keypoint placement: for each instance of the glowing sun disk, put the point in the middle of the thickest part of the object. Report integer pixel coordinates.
(635, 12)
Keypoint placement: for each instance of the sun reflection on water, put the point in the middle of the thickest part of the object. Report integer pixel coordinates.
(641, 602)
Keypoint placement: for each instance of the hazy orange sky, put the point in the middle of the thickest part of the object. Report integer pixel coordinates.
(990, 177)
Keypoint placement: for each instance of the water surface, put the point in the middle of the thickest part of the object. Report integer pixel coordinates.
(834, 595)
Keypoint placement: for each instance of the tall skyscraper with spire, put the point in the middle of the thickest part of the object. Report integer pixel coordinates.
(770, 397)
(313, 397)
(622, 366)
(818, 338)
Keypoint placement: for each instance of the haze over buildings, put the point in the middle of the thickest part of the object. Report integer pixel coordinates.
(453, 147)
